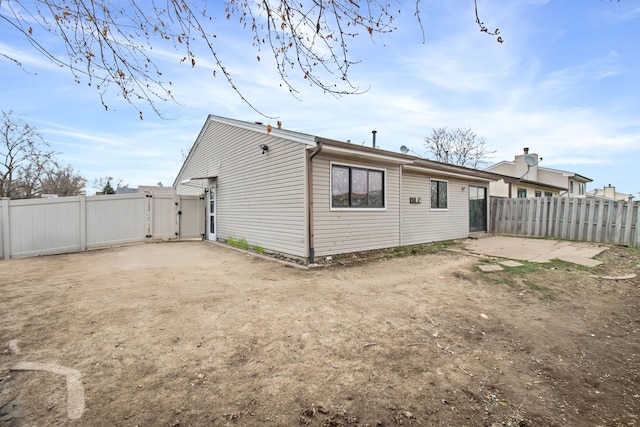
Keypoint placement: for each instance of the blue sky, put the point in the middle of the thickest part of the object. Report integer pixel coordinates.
(564, 83)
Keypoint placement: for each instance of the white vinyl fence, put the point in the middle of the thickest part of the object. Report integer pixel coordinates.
(69, 224)
(568, 218)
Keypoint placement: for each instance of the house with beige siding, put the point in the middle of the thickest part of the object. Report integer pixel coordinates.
(308, 196)
(524, 177)
(609, 193)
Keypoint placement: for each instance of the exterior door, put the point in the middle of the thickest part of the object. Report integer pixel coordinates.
(477, 209)
(211, 214)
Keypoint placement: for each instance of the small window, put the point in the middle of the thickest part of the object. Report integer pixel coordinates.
(353, 187)
(438, 194)
(522, 193)
(538, 193)
(571, 186)
(581, 188)
(548, 194)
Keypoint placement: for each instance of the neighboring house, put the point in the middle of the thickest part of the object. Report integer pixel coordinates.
(609, 192)
(156, 189)
(146, 189)
(528, 179)
(125, 190)
(308, 196)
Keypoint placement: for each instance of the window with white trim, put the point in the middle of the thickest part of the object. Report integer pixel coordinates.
(439, 194)
(355, 187)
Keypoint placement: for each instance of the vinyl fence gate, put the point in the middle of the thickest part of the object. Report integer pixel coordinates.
(69, 224)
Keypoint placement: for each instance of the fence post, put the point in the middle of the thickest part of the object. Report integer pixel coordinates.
(83, 222)
(635, 240)
(618, 238)
(149, 199)
(544, 217)
(6, 234)
(628, 225)
(553, 217)
(177, 204)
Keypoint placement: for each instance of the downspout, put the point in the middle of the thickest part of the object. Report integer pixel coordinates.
(318, 149)
(400, 210)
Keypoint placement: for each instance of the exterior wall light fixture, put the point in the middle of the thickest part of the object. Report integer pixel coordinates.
(264, 148)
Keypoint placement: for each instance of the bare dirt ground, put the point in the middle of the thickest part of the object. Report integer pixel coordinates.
(195, 334)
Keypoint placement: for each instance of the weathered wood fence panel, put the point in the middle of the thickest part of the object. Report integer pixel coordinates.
(568, 218)
(70, 224)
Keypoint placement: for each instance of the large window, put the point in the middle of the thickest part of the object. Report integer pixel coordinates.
(522, 193)
(438, 194)
(353, 187)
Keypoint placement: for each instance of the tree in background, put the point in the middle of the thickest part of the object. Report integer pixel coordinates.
(27, 167)
(103, 184)
(110, 43)
(62, 182)
(460, 147)
(108, 189)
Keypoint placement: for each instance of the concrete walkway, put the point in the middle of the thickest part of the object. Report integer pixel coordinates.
(536, 250)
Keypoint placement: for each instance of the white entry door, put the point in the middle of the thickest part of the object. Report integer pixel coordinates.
(211, 214)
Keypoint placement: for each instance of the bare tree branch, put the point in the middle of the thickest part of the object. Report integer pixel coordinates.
(27, 167)
(110, 45)
(460, 147)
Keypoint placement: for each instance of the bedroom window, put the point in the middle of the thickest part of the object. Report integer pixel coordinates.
(438, 194)
(353, 187)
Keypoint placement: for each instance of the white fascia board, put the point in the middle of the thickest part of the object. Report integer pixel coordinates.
(451, 174)
(356, 152)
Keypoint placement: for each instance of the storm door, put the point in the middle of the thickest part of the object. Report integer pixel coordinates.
(477, 209)
(211, 214)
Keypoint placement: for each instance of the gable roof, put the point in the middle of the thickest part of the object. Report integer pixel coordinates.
(346, 148)
(541, 168)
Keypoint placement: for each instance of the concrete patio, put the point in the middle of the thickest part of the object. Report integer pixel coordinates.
(536, 250)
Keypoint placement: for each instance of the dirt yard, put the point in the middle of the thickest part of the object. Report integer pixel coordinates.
(196, 334)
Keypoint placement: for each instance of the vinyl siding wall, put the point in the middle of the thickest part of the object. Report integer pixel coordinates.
(553, 178)
(499, 189)
(260, 197)
(353, 230)
(421, 224)
(201, 163)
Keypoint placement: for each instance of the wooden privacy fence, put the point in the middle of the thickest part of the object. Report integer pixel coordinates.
(70, 224)
(568, 218)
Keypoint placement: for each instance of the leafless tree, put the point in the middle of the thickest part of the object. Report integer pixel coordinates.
(110, 43)
(27, 167)
(460, 147)
(62, 181)
(23, 154)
